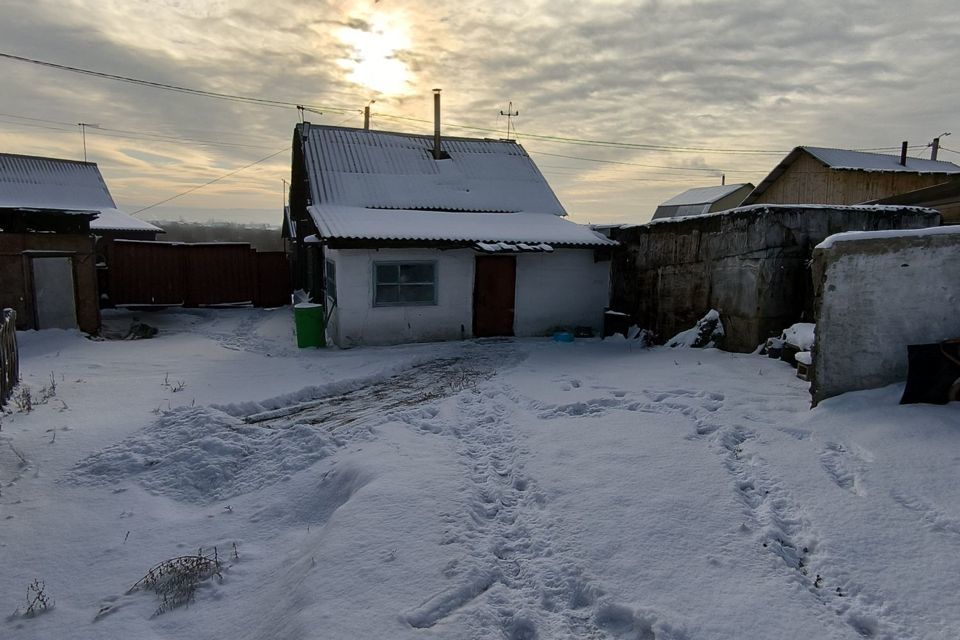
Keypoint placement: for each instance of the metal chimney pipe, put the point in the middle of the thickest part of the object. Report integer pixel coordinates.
(437, 153)
(366, 118)
(903, 154)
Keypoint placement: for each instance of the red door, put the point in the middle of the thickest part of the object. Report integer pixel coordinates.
(494, 288)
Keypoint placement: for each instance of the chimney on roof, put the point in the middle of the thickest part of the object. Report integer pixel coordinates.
(437, 151)
(903, 154)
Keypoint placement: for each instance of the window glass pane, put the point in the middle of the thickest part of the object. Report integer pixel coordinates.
(388, 273)
(418, 273)
(388, 294)
(416, 293)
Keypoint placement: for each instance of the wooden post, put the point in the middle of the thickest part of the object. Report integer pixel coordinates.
(903, 154)
(934, 148)
(366, 118)
(9, 358)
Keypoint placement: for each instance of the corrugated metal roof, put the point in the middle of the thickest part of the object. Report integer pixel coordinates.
(32, 182)
(866, 161)
(358, 223)
(703, 195)
(376, 169)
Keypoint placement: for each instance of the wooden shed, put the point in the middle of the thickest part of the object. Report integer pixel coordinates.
(48, 268)
(817, 175)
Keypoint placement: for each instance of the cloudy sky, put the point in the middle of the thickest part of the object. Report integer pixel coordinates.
(622, 104)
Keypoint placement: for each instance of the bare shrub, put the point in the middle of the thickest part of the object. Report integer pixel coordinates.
(175, 581)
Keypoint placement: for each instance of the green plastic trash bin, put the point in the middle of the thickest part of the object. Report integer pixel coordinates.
(308, 318)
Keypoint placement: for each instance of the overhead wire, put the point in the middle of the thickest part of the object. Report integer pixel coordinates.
(210, 182)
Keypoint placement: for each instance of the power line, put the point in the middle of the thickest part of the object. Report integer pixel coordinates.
(169, 87)
(632, 164)
(207, 184)
(345, 110)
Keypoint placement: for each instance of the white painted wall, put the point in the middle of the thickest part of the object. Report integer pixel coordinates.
(359, 322)
(876, 297)
(563, 288)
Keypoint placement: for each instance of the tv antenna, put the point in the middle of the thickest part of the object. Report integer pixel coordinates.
(511, 114)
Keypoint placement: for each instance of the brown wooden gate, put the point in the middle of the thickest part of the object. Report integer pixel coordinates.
(494, 290)
(194, 275)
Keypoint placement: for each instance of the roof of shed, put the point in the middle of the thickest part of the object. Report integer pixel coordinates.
(359, 168)
(360, 223)
(32, 182)
(846, 160)
(703, 195)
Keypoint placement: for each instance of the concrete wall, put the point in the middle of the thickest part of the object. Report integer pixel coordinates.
(875, 297)
(563, 288)
(751, 264)
(16, 280)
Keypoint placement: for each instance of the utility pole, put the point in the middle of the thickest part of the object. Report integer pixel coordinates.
(511, 114)
(935, 145)
(83, 135)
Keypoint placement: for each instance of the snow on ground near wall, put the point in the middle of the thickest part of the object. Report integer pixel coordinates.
(486, 489)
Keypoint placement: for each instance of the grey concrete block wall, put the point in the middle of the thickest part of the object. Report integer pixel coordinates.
(874, 297)
(749, 263)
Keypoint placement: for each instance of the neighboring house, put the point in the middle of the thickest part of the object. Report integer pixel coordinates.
(32, 183)
(945, 198)
(696, 202)
(816, 175)
(406, 242)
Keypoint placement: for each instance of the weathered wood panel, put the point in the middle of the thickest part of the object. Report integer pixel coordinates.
(9, 356)
(808, 181)
(16, 280)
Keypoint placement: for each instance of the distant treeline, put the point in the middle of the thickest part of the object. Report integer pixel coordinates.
(263, 237)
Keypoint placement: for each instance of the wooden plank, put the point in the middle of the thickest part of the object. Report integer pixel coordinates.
(9, 357)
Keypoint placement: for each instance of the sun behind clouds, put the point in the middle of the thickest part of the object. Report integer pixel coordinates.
(373, 62)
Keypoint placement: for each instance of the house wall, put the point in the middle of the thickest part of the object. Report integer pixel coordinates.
(808, 181)
(563, 288)
(875, 297)
(566, 288)
(356, 321)
(751, 264)
(16, 280)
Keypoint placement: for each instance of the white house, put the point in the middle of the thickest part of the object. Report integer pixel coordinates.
(406, 241)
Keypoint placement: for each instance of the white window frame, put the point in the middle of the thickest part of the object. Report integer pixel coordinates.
(398, 263)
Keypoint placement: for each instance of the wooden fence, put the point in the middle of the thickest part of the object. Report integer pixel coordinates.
(192, 275)
(9, 358)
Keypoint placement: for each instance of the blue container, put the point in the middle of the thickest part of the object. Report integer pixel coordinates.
(563, 336)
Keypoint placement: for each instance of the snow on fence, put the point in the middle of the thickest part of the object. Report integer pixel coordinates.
(9, 359)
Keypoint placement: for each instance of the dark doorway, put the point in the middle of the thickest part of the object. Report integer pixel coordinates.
(494, 288)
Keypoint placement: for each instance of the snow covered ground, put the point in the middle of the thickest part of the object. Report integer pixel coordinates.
(484, 489)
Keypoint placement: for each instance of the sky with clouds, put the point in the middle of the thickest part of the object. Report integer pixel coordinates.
(622, 104)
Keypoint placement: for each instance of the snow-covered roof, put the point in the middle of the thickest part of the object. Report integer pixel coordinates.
(869, 161)
(360, 223)
(359, 168)
(32, 182)
(846, 160)
(703, 195)
(848, 236)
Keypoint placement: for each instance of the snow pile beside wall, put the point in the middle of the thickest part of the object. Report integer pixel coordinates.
(875, 296)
